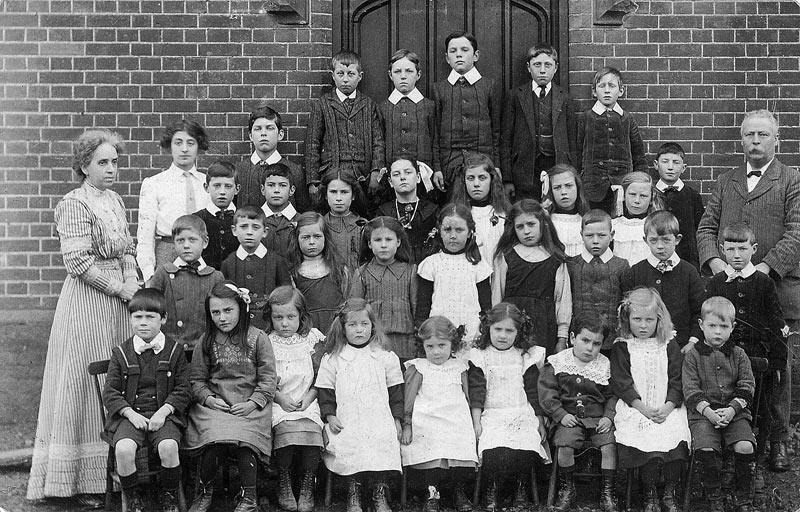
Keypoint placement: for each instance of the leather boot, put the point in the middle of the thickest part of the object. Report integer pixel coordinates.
(460, 500)
(779, 457)
(490, 496)
(380, 500)
(745, 469)
(135, 501)
(169, 502)
(247, 500)
(306, 501)
(651, 502)
(203, 498)
(286, 499)
(608, 498)
(714, 500)
(521, 494)
(566, 491)
(432, 503)
(353, 495)
(669, 500)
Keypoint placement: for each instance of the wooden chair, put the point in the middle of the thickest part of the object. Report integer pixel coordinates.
(145, 458)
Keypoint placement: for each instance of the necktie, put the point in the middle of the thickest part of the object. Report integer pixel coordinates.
(190, 267)
(462, 81)
(225, 215)
(348, 104)
(664, 266)
(540, 93)
(754, 173)
(670, 189)
(733, 276)
(191, 203)
(596, 260)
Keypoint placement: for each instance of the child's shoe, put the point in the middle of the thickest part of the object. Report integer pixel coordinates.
(669, 501)
(566, 491)
(353, 495)
(714, 500)
(306, 501)
(521, 494)
(432, 503)
(460, 500)
(169, 502)
(490, 496)
(247, 500)
(745, 469)
(203, 498)
(286, 499)
(651, 501)
(608, 498)
(135, 501)
(379, 499)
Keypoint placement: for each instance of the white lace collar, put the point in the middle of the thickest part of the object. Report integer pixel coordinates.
(598, 371)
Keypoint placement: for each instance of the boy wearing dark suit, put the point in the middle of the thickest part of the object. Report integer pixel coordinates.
(277, 189)
(222, 186)
(538, 127)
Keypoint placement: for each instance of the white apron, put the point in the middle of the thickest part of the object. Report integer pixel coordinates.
(295, 373)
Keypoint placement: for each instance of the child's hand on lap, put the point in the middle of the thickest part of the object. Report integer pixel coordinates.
(647, 411)
(335, 424)
(138, 421)
(243, 408)
(407, 435)
(662, 412)
(217, 404)
(726, 415)
(305, 402)
(285, 402)
(570, 421)
(157, 420)
(712, 416)
(604, 425)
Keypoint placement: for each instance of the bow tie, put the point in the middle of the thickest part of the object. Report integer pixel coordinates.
(664, 266)
(156, 345)
(754, 173)
(224, 214)
(734, 275)
(190, 267)
(671, 188)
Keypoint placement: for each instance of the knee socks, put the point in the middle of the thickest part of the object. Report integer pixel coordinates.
(210, 462)
(309, 457)
(709, 463)
(170, 478)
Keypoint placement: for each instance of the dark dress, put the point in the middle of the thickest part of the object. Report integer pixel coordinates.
(531, 287)
(323, 297)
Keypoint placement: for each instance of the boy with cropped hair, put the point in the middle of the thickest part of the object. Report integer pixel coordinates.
(718, 387)
(344, 130)
(222, 185)
(276, 189)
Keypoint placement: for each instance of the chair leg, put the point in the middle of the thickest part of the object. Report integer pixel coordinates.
(181, 498)
(109, 480)
(628, 486)
(476, 494)
(329, 489)
(534, 485)
(687, 490)
(551, 488)
(403, 488)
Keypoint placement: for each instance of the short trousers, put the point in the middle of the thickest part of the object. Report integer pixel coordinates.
(574, 437)
(704, 435)
(126, 430)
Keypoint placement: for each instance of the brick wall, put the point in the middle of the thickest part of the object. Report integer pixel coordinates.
(132, 66)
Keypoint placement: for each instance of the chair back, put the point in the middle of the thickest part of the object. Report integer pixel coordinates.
(96, 369)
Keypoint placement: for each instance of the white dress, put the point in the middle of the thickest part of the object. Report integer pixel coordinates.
(488, 230)
(455, 294)
(508, 419)
(441, 421)
(649, 363)
(568, 227)
(629, 241)
(361, 379)
(295, 373)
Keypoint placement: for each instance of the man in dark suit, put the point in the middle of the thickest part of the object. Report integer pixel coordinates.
(765, 194)
(538, 129)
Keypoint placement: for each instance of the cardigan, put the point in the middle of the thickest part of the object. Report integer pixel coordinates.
(717, 377)
(122, 381)
(681, 289)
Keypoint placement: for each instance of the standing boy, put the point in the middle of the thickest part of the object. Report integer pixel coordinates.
(265, 129)
(468, 110)
(596, 274)
(253, 266)
(682, 200)
(538, 127)
(222, 186)
(718, 386)
(280, 214)
(678, 282)
(146, 395)
(344, 130)
(186, 281)
(609, 142)
(759, 328)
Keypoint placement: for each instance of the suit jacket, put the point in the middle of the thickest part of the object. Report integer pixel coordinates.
(519, 144)
(335, 136)
(772, 210)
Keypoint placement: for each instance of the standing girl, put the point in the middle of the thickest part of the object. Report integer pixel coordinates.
(296, 422)
(317, 269)
(640, 198)
(531, 273)
(387, 280)
(233, 381)
(179, 190)
(651, 424)
(481, 189)
(506, 417)
(341, 195)
(437, 434)
(563, 193)
(454, 282)
(361, 398)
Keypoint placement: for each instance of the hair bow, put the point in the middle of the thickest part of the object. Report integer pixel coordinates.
(243, 293)
(461, 331)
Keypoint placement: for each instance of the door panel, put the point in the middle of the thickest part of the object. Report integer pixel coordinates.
(505, 29)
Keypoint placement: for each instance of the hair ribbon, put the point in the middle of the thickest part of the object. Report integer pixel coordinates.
(243, 293)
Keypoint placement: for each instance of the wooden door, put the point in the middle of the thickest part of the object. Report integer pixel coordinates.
(505, 29)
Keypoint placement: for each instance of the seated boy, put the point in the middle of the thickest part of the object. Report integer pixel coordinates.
(678, 282)
(186, 281)
(277, 188)
(253, 266)
(718, 387)
(222, 185)
(596, 273)
(265, 130)
(574, 391)
(759, 329)
(680, 199)
(146, 394)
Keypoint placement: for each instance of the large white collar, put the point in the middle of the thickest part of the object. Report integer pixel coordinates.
(662, 186)
(289, 212)
(260, 251)
(601, 109)
(180, 263)
(414, 96)
(213, 209)
(597, 371)
(746, 272)
(157, 344)
(674, 260)
(342, 97)
(605, 257)
(472, 76)
(274, 158)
